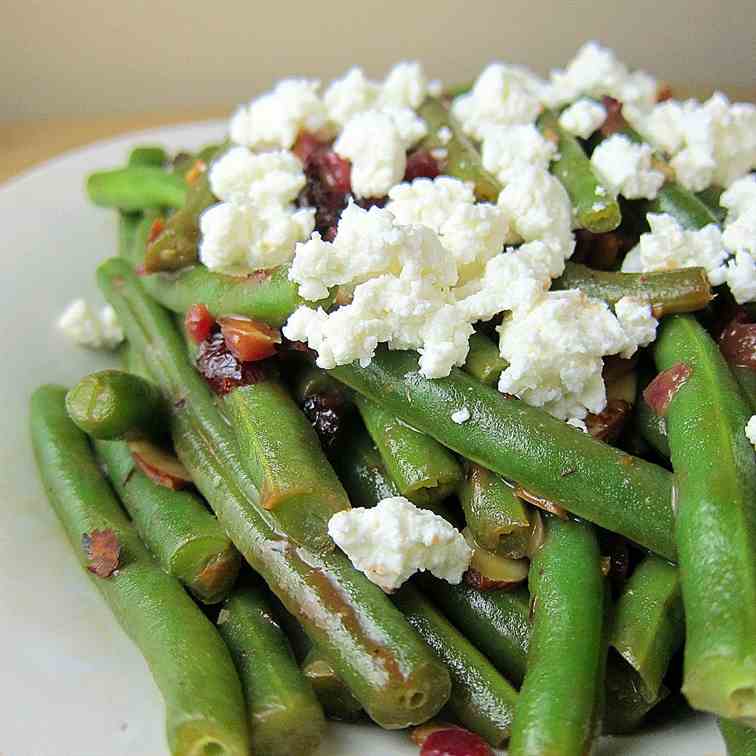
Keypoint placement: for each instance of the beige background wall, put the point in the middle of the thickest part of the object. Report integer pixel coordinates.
(76, 57)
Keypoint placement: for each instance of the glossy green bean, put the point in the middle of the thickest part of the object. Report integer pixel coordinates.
(626, 703)
(481, 699)
(587, 477)
(284, 715)
(668, 292)
(135, 188)
(187, 658)
(715, 524)
(648, 624)
(148, 155)
(557, 710)
(368, 642)
(497, 518)
(739, 738)
(421, 468)
(461, 158)
(334, 696)
(285, 460)
(746, 378)
(114, 404)
(483, 360)
(652, 427)
(594, 206)
(176, 527)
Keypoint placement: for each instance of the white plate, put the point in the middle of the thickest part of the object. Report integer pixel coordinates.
(71, 683)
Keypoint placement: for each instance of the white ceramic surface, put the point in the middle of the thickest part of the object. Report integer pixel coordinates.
(71, 683)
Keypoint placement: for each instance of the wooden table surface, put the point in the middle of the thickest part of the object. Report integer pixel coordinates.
(26, 143)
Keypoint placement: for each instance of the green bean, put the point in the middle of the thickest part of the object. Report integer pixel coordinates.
(113, 404)
(175, 526)
(682, 205)
(652, 427)
(710, 197)
(128, 225)
(284, 715)
(668, 292)
(496, 622)
(284, 458)
(647, 627)
(145, 155)
(461, 158)
(594, 206)
(367, 641)
(483, 360)
(421, 468)
(739, 738)
(746, 378)
(333, 695)
(455, 90)
(715, 524)
(361, 468)
(187, 658)
(626, 701)
(135, 188)
(587, 477)
(308, 381)
(481, 699)
(496, 517)
(556, 711)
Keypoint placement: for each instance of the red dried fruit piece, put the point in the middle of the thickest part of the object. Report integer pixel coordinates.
(738, 343)
(155, 229)
(103, 551)
(197, 169)
(614, 120)
(335, 172)
(479, 582)
(198, 322)
(608, 424)
(221, 369)
(249, 340)
(418, 735)
(306, 146)
(660, 392)
(455, 742)
(421, 164)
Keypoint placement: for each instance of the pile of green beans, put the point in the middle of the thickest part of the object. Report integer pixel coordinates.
(300, 636)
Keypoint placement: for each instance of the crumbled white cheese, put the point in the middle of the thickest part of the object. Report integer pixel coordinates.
(596, 71)
(638, 323)
(395, 539)
(435, 88)
(371, 141)
(444, 135)
(406, 86)
(472, 233)
(502, 95)
(554, 352)
(241, 176)
(274, 119)
(240, 239)
(508, 150)
(739, 238)
(669, 246)
(710, 142)
(410, 126)
(540, 210)
(576, 422)
(583, 117)
(84, 327)
(750, 430)
(625, 167)
(461, 416)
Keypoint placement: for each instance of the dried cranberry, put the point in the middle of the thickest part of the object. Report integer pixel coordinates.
(738, 342)
(249, 340)
(608, 424)
(326, 413)
(221, 369)
(421, 164)
(455, 742)
(306, 145)
(614, 121)
(198, 322)
(155, 229)
(335, 172)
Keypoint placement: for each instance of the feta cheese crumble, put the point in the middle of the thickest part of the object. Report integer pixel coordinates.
(275, 119)
(750, 430)
(625, 167)
(583, 117)
(255, 226)
(739, 238)
(668, 246)
(84, 327)
(508, 150)
(395, 539)
(638, 323)
(461, 416)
